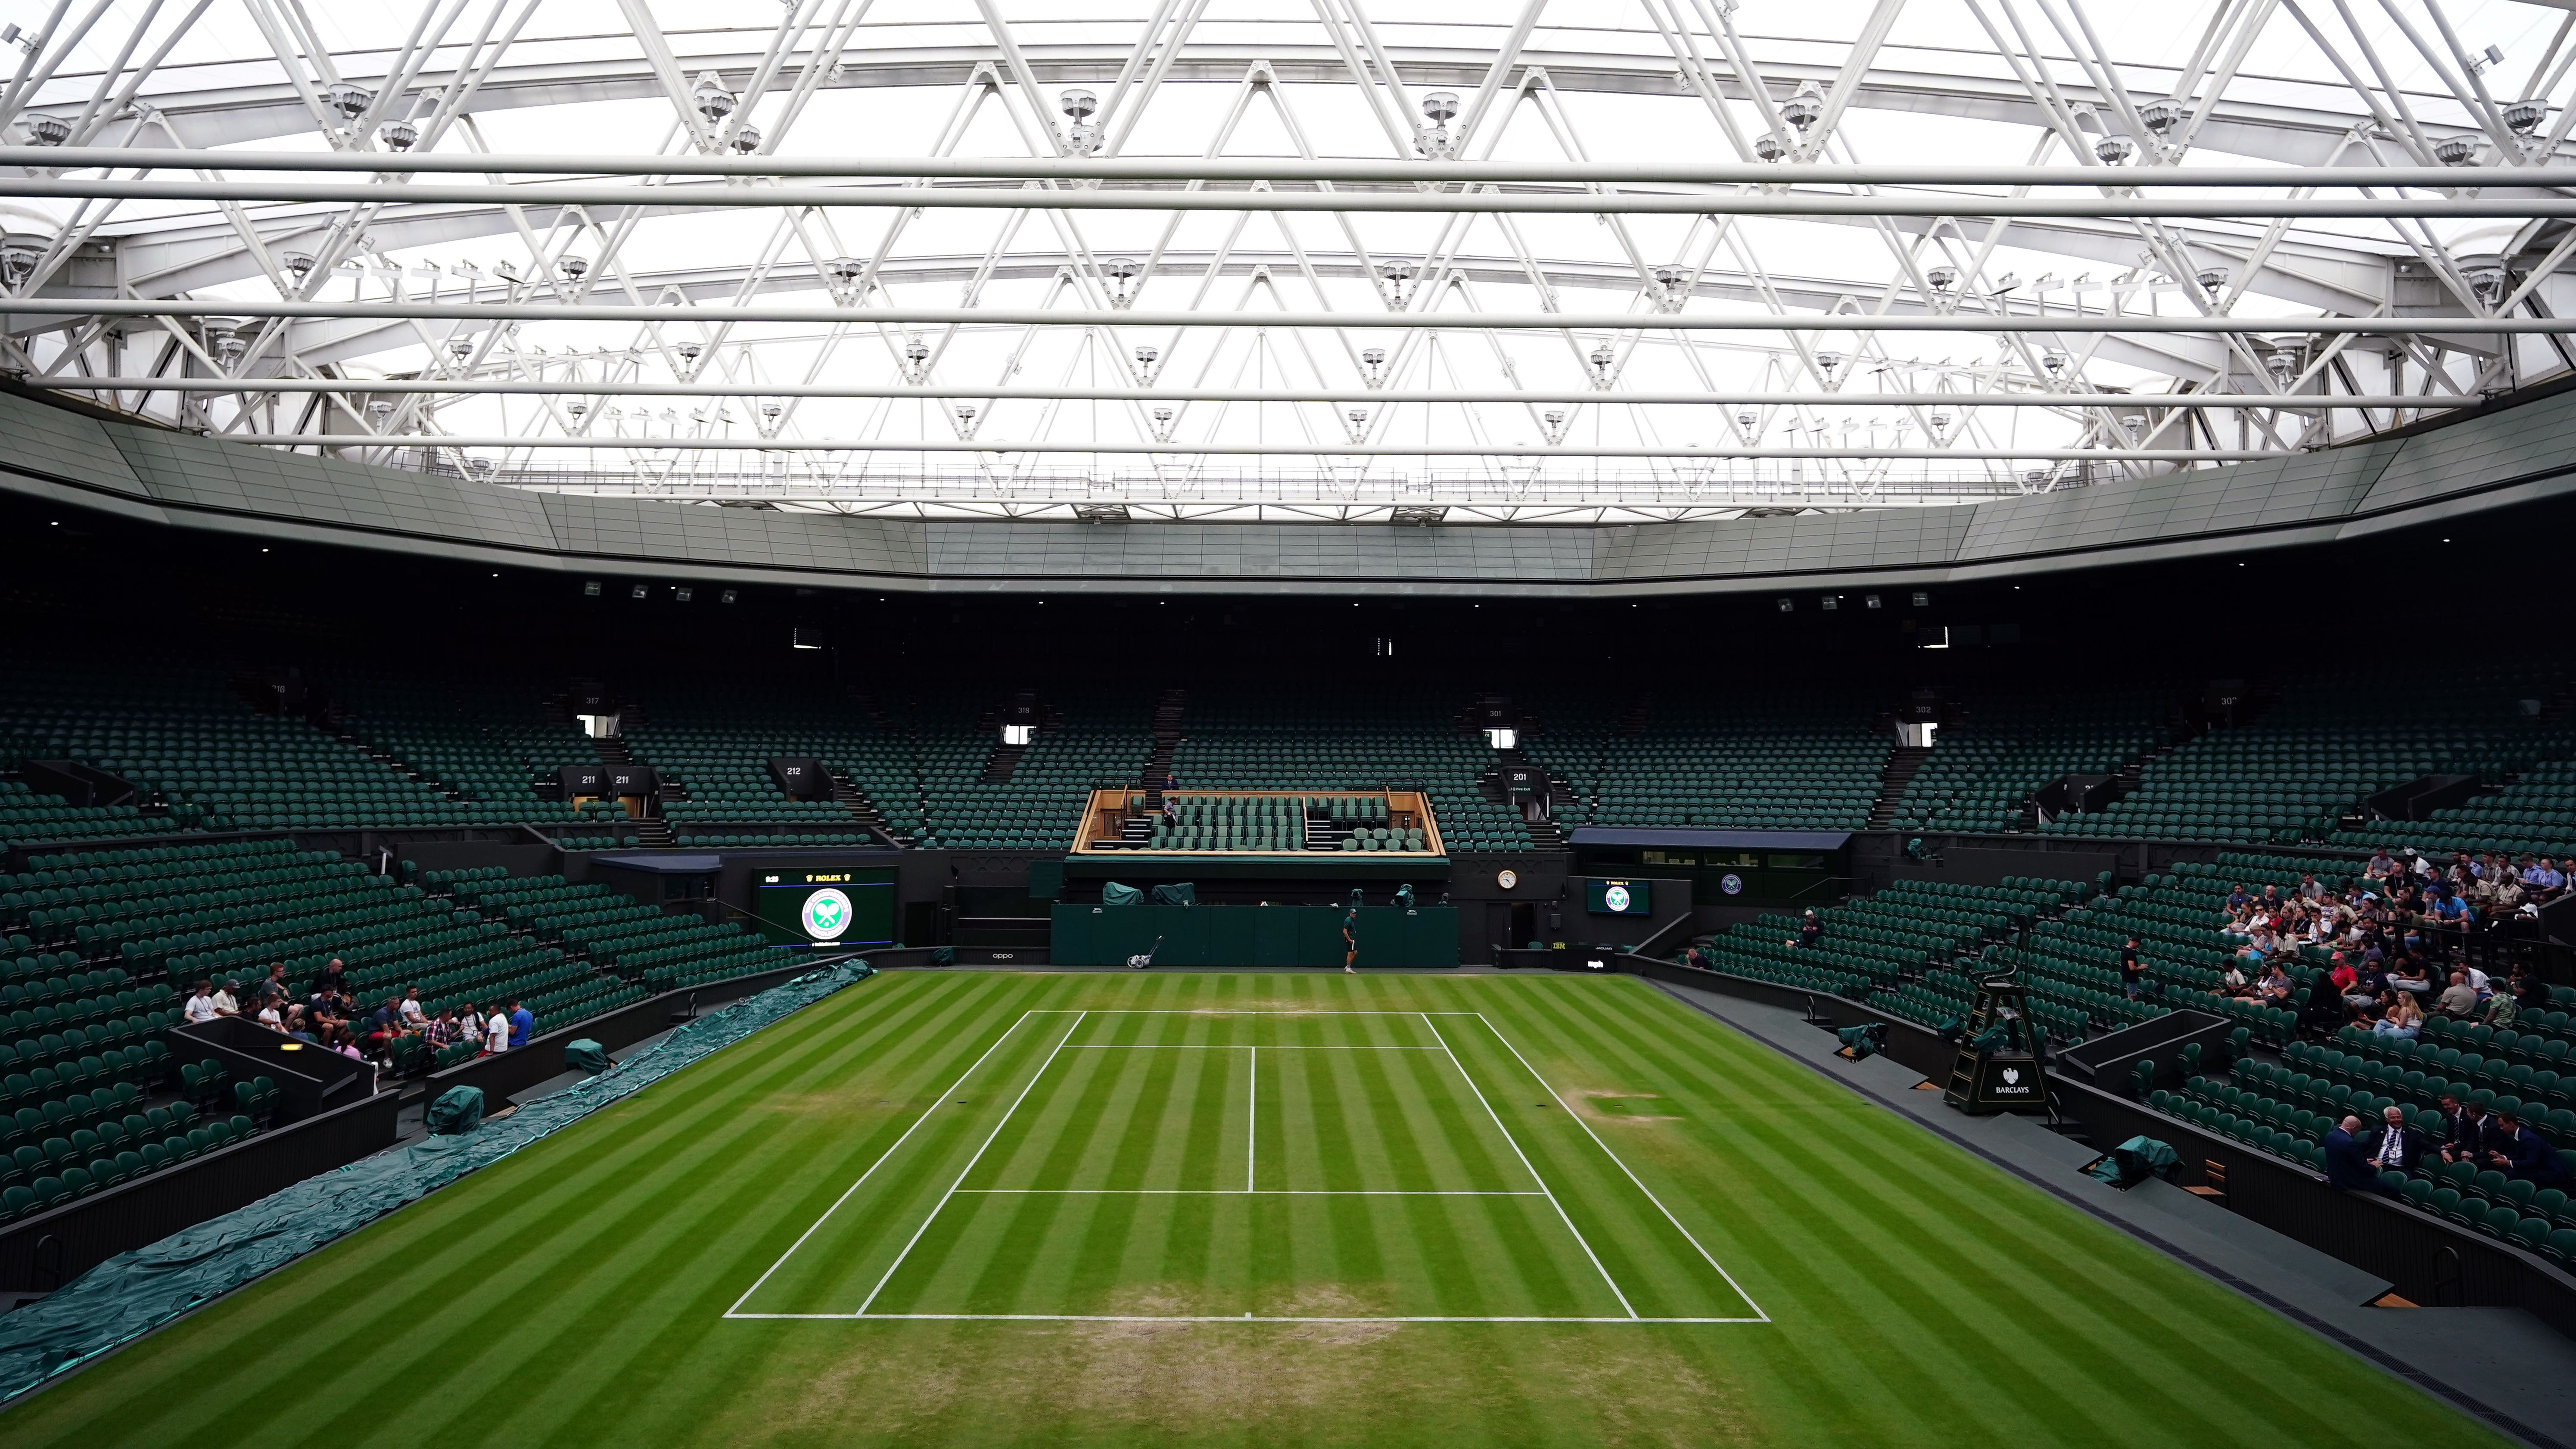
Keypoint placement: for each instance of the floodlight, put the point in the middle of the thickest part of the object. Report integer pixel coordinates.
(1079, 104)
(1146, 352)
(916, 351)
(349, 100)
(300, 263)
(573, 267)
(1769, 146)
(1745, 418)
(47, 130)
(689, 351)
(2213, 280)
(746, 139)
(2160, 116)
(1440, 107)
(398, 135)
(1803, 109)
(379, 412)
(2524, 117)
(844, 270)
(2115, 149)
(2054, 361)
(1826, 362)
(711, 99)
(1942, 278)
(576, 407)
(2456, 150)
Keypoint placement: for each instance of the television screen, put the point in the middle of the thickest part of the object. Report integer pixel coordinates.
(1619, 897)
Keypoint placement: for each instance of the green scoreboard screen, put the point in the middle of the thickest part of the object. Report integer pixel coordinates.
(824, 906)
(1619, 897)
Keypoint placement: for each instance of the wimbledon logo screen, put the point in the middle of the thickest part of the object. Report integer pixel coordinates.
(1616, 898)
(827, 914)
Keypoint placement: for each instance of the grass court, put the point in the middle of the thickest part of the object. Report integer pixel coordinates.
(986, 1208)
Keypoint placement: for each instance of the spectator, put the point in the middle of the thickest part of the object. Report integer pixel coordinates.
(2451, 909)
(276, 985)
(334, 979)
(2381, 865)
(2469, 1134)
(470, 1022)
(523, 1025)
(200, 1007)
(2519, 1152)
(2501, 1010)
(298, 1027)
(2348, 1167)
(345, 1045)
(496, 1032)
(2458, 999)
(1811, 929)
(414, 1018)
(2544, 880)
(2133, 971)
(2237, 899)
(2275, 989)
(2393, 1146)
(269, 1014)
(2403, 1020)
(2409, 976)
(2529, 990)
(2347, 983)
(444, 1032)
(2310, 888)
(228, 999)
(2231, 979)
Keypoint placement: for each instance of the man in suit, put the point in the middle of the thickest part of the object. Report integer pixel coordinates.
(2393, 1146)
(2468, 1134)
(2520, 1152)
(2349, 1168)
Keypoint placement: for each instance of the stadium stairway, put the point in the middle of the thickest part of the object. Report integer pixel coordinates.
(1168, 709)
(1902, 762)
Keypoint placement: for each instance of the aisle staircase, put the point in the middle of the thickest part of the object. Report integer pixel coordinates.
(1902, 763)
(1168, 708)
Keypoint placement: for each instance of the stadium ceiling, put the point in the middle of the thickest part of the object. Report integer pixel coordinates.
(1288, 261)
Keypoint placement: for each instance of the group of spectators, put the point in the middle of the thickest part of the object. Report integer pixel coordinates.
(331, 1017)
(2378, 1159)
(2396, 955)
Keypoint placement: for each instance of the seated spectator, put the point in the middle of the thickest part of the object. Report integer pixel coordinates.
(1811, 929)
(228, 999)
(270, 1015)
(2276, 988)
(2451, 909)
(200, 1007)
(2310, 888)
(346, 1045)
(414, 1017)
(2519, 1152)
(298, 1027)
(2409, 975)
(2529, 990)
(2469, 1134)
(470, 1022)
(2403, 1019)
(2544, 880)
(2347, 983)
(2501, 1009)
(2237, 899)
(2393, 1146)
(2348, 1167)
(2380, 864)
(444, 1032)
(2231, 979)
(334, 979)
(2459, 999)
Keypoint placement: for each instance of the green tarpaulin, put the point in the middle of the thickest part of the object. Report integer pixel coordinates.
(457, 1111)
(586, 1055)
(1114, 894)
(2134, 1161)
(133, 1293)
(1178, 893)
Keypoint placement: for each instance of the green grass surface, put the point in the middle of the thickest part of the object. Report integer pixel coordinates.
(1339, 1157)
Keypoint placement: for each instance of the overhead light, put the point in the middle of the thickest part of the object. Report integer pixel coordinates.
(399, 135)
(2115, 149)
(805, 639)
(1418, 515)
(1788, 606)
(47, 130)
(726, 597)
(1831, 603)
(350, 101)
(1869, 601)
(1922, 600)
(682, 594)
(1100, 512)
(637, 592)
(590, 588)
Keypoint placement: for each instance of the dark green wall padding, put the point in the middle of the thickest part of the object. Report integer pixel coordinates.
(1389, 936)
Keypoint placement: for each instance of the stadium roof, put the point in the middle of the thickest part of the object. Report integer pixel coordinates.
(1551, 263)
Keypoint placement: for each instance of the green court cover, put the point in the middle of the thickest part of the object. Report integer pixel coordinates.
(586, 1055)
(457, 1111)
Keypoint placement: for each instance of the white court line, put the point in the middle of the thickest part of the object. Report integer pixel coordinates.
(970, 1167)
(1277, 1046)
(872, 1167)
(1247, 1192)
(1251, 1115)
(1579, 1239)
(1223, 1318)
(1623, 1167)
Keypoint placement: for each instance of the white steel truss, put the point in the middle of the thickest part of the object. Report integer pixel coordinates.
(1335, 260)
